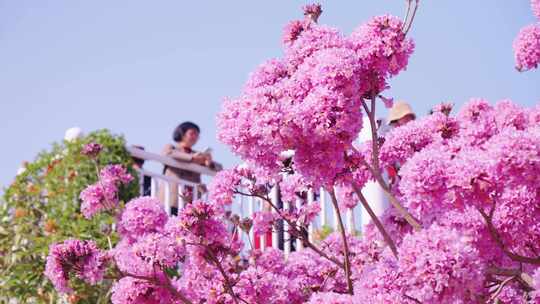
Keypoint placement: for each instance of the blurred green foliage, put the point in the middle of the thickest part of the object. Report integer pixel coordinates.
(42, 206)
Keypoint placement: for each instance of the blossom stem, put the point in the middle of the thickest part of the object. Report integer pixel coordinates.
(409, 4)
(376, 221)
(525, 279)
(169, 287)
(227, 282)
(296, 233)
(408, 22)
(497, 238)
(345, 244)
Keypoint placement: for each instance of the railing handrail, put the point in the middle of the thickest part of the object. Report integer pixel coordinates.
(166, 178)
(169, 161)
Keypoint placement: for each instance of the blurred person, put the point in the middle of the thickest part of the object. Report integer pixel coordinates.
(185, 136)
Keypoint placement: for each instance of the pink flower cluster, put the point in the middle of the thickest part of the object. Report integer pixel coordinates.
(310, 101)
(103, 195)
(83, 258)
(91, 149)
(527, 43)
(471, 180)
(130, 290)
(527, 48)
(141, 216)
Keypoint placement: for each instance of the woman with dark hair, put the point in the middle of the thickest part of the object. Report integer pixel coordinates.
(185, 136)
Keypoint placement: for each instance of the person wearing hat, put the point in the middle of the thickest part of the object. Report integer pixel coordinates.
(400, 114)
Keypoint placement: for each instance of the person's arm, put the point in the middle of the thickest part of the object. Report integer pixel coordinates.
(170, 151)
(216, 166)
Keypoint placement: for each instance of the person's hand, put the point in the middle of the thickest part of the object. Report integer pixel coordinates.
(208, 161)
(199, 158)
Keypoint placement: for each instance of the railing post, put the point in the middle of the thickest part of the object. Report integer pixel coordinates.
(323, 208)
(180, 196)
(141, 181)
(275, 230)
(251, 203)
(167, 198)
(287, 235)
(310, 200)
(350, 221)
(153, 187)
(299, 244)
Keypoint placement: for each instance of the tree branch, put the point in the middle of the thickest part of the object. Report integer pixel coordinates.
(376, 169)
(376, 221)
(345, 244)
(497, 238)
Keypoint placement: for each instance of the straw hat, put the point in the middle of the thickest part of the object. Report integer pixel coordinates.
(399, 110)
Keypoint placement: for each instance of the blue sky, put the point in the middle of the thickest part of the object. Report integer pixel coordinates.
(139, 68)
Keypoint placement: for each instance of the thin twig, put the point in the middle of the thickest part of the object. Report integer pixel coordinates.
(407, 14)
(497, 238)
(525, 279)
(228, 284)
(173, 290)
(376, 221)
(500, 288)
(410, 22)
(345, 244)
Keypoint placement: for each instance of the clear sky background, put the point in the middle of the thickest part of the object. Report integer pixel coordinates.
(139, 68)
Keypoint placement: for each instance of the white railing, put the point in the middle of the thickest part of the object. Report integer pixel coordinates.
(246, 206)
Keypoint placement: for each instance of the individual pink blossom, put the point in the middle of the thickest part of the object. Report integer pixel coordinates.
(116, 174)
(98, 197)
(270, 259)
(91, 149)
(440, 265)
(292, 30)
(128, 262)
(402, 142)
(263, 222)
(527, 48)
(256, 285)
(331, 298)
(315, 37)
(313, 11)
(509, 114)
(292, 187)
(535, 5)
(223, 186)
(142, 215)
(384, 49)
(346, 198)
(199, 225)
(388, 102)
(308, 211)
(444, 107)
(80, 258)
(266, 75)
(477, 121)
(130, 290)
(424, 183)
(159, 250)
